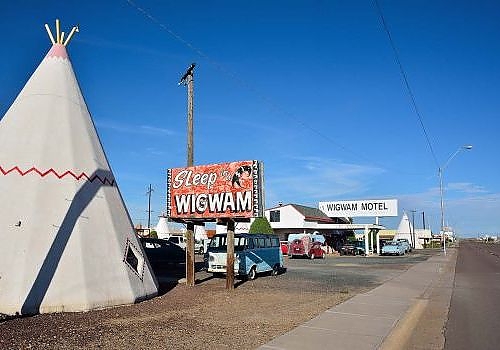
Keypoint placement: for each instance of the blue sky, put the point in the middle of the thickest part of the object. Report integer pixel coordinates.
(311, 88)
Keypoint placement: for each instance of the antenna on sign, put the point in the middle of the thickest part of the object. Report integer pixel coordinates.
(60, 35)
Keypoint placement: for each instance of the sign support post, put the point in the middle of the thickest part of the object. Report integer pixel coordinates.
(367, 247)
(190, 254)
(230, 255)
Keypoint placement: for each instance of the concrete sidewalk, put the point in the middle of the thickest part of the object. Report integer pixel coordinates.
(390, 316)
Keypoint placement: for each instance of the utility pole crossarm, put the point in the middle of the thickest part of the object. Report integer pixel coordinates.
(189, 72)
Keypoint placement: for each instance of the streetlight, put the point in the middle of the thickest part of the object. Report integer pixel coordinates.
(440, 173)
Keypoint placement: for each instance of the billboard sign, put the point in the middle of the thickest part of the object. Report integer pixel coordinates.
(351, 209)
(226, 190)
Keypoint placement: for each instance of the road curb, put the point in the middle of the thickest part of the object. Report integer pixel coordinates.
(405, 326)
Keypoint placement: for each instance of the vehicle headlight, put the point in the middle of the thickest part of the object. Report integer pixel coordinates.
(211, 258)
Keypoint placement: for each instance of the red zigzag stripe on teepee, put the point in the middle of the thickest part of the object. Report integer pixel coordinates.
(59, 176)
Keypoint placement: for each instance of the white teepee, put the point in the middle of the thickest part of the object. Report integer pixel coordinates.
(68, 243)
(163, 229)
(405, 229)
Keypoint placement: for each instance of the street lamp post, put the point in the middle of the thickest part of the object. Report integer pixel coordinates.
(440, 173)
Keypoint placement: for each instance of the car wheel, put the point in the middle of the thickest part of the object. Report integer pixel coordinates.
(276, 270)
(312, 256)
(252, 274)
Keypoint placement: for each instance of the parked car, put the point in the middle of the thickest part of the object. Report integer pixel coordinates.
(161, 252)
(393, 248)
(178, 240)
(405, 244)
(181, 242)
(199, 247)
(353, 248)
(316, 251)
(254, 253)
(300, 247)
(284, 247)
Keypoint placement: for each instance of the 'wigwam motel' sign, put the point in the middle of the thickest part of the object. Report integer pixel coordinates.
(226, 190)
(350, 209)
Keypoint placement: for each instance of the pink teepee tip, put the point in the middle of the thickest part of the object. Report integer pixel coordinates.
(57, 50)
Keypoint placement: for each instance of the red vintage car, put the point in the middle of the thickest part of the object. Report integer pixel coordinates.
(284, 247)
(299, 247)
(305, 248)
(316, 251)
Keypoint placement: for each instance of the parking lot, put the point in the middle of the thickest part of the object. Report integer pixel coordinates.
(209, 316)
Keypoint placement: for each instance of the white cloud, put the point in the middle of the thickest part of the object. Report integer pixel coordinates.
(317, 178)
(471, 210)
(147, 129)
(465, 187)
(134, 129)
(155, 152)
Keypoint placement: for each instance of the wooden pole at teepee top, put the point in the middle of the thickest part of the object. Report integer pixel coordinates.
(50, 34)
(58, 32)
(73, 30)
(59, 39)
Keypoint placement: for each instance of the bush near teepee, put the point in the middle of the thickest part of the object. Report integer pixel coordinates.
(260, 225)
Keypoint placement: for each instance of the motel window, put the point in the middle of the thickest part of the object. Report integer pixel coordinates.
(274, 216)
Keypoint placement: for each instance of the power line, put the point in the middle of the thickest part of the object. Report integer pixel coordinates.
(268, 101)
(243, 83)
(405, 78)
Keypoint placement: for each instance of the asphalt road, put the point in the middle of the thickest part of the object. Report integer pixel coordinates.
(474, 317)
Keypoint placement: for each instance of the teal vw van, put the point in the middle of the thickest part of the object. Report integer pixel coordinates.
(254, 253)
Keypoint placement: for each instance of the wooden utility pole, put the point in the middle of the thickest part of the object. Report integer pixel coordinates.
(413, 228)
(230, 255)
(150, 190)
(187, 79)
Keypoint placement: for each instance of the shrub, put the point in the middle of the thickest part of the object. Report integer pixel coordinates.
(261, 225)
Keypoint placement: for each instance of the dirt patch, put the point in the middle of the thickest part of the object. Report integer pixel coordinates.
(206, 316)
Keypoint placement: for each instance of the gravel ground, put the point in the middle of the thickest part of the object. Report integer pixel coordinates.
(208, 316)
